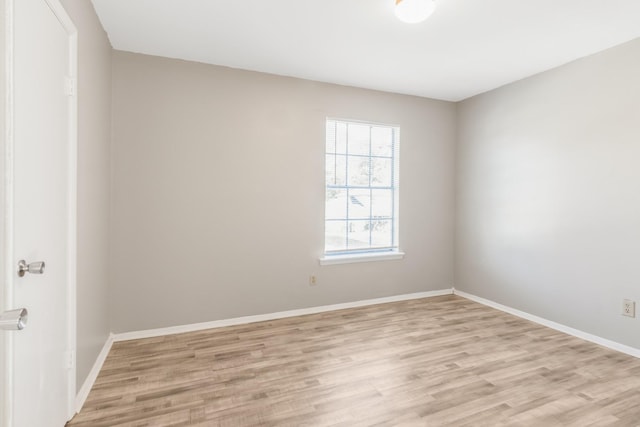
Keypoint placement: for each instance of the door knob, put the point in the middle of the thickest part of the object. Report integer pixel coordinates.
(33, 267)
(14, 320)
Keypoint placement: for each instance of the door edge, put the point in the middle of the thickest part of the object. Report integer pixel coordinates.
(7, 210)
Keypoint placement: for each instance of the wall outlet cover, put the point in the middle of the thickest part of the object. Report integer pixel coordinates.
(629, 308)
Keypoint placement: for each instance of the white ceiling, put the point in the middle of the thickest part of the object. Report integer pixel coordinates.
(465, 48)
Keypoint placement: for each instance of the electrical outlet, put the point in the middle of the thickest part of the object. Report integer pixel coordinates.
(628, 308)
(312, 280)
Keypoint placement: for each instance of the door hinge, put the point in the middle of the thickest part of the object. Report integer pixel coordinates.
(70, 359)
(70, 86)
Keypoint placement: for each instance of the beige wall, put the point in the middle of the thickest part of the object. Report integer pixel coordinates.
(547, 194)
(94, 138)
(218, 193)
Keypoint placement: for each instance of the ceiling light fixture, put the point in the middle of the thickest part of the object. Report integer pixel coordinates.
(414, 11)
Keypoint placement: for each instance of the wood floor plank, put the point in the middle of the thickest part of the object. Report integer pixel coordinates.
(429, 362)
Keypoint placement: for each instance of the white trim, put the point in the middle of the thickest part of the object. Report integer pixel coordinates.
(83, 393)
(7, 146)
(363, 257)
(150, 333)
(72, 195)
(362, 122)
(622, 348)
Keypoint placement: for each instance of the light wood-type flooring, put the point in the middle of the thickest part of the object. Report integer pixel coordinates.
(427, 362)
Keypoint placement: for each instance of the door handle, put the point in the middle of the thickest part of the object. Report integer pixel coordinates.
(14, 320)
(33, 267)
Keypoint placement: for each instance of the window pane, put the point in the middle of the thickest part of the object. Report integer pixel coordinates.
(381, 141)
(335, 204)
(335, 169)
(330, 169)
(358, 234)
(331, 136)
(358, 171)
(335, 235)
(358, 139)
(359, 204)
(381, 172)
(381, 235)
(341, 138)
(381, 203)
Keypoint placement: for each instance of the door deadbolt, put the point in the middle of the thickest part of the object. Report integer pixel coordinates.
(33, 267)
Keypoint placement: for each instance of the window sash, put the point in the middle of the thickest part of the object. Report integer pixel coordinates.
(337, 178)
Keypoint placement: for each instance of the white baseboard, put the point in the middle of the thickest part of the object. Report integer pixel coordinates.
(83, 393)
(622, 348)
(150, 333)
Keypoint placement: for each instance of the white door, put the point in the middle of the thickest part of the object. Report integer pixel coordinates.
(40, 207)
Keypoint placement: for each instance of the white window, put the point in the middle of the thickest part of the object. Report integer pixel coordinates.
(361, 205)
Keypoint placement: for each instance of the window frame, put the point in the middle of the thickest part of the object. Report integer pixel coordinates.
(370, 253)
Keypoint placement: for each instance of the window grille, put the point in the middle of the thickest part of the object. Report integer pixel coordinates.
(361, 202)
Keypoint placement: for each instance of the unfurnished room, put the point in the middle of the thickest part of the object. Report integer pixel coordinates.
(320, 213)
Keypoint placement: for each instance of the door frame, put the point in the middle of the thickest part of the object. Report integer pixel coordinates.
(6, 205)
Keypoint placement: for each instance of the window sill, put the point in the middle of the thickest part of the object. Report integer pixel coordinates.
(371, 257)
